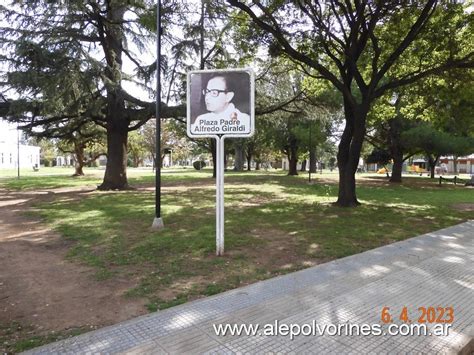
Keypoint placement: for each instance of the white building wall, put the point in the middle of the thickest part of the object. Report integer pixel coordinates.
(29, 155)
(450, 166)
(64, 160)
(285, 164)
(466, 167)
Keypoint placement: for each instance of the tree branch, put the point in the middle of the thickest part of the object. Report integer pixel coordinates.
(412, 33)
(288, 48)
(466, 62)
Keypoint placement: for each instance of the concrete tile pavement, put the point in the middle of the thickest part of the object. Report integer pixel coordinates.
(435, 269)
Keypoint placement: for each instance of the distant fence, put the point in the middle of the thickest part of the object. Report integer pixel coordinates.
(456, 181)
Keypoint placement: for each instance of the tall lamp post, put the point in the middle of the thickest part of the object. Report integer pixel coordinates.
(18, 148)
(310, 148)
(158, 221)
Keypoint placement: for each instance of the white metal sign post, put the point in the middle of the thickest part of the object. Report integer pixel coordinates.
(220, 195)
(220, 104)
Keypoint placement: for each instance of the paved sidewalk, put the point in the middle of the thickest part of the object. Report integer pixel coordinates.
(435, 269)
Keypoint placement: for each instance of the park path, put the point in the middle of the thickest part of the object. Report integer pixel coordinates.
(435, 269)
(40, 290)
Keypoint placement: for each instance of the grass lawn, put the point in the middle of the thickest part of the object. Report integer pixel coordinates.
(57, 177)
(274, 224)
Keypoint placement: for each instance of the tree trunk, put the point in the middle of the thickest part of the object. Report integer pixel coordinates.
(292, 168)
(396, 149)
(346, 195)
(303, 165)
(249, 154)
(397, 167)
(214, 157)
(349, 153)
(115, 177)
(312, 160)
(239, 156)
(432, 162)
(455, 165)
(293, 158)
(79, 159)
(257, 165)
(78, 170)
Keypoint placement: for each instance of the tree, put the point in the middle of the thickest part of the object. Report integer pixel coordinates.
(443, 100)
(378, 156)
(387, 121)
(86, 146)
(449, 104)
(172, 136)
(67, 61)
(436, 143)
(355, 46)
(47, 151)
(136, 149)
(210, 40)
(259, 147)
(84, 140)
(304, 123)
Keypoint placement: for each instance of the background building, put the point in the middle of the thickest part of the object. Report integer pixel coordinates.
(465, 165)
(10, 138)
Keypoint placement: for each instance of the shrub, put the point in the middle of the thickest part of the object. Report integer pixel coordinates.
(199, 164)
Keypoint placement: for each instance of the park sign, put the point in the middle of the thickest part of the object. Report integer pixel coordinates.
(220, 104)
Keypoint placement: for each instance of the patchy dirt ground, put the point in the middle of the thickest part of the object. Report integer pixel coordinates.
(464, 206)
(40, 290)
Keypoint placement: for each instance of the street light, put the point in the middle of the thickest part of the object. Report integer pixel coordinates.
(18, 148)
(310, 148)
(158, 221)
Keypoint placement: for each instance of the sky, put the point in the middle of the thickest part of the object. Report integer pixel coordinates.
(8, 132)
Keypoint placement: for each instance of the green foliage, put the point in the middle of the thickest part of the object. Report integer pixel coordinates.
(314, 112)
(435, 142)
(66, 60)
(364, 50)
(136, 148)
(86, 144)
(48, 151)
(433, 116)
(199, 164)
(378, 156)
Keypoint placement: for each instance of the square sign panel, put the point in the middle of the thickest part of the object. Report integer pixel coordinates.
(221, 103)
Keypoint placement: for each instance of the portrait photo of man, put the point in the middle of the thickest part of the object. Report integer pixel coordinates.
(220, 103)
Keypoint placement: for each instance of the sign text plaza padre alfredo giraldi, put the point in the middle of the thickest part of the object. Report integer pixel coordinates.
(220, 104)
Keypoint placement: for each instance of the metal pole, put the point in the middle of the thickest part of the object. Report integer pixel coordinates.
(310, 124)
(220, 196)
(18, 149)
(158, 221)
